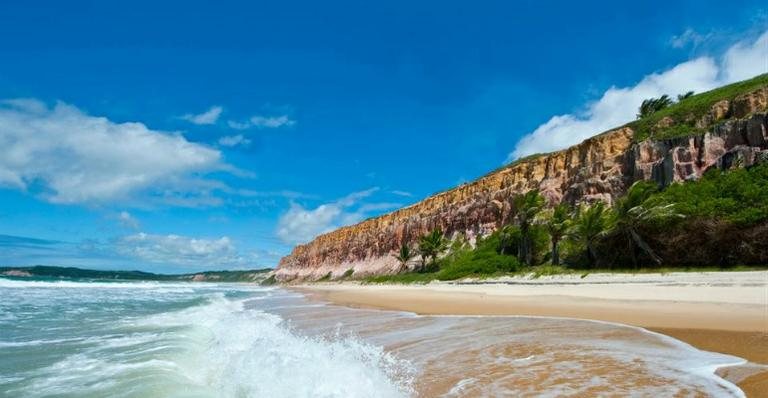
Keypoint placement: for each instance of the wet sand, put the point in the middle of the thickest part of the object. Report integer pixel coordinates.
(722, 312)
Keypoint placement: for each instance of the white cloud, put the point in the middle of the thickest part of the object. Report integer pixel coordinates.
(745, 60)
(619, 105)
(181, 250)
(689, 36)
(67, 156)
(234, 140)
(263, 122)
(208, 117)
(127, 220)
(401, 193)
(239, 125)
(299, 224)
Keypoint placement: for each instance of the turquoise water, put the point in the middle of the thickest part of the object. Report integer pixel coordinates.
(153, 339)
(145, 339)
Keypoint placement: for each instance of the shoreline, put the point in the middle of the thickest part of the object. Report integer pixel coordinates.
(724, 312)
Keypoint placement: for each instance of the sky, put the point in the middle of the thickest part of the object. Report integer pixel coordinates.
(185, 136)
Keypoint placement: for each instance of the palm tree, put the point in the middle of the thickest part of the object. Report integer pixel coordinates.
(653, 105)
(681, 97)
(591, 223)
(403, 256)
(633, 210)
(432, 245)
(506, 238)
(557, 225)
(525, 208)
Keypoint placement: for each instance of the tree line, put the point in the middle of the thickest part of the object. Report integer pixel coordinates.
(581, 227)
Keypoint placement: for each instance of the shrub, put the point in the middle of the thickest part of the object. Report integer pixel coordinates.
(738, 196)
(508, 240)
(686, 112)
(269, 281)
(326, 278)
(483, 260)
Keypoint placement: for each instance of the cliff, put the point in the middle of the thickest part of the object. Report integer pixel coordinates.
(731, 132)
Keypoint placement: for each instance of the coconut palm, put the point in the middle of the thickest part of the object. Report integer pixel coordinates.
(591, 223)
(633, 210)
(557, 225)
(506, 238)
(525, 208)
(432, 245)
(653, 105)
(404, 256)
(681, 97)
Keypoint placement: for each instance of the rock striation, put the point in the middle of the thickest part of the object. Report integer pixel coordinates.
(600, 168)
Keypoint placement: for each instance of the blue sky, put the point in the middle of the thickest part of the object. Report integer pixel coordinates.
(175, 137)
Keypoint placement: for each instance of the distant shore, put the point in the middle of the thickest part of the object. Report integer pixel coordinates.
(725, 312)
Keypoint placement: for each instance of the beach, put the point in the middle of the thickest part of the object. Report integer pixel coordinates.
(724, 312)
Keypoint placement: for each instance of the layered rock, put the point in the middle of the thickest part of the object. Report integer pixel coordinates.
(600, 168)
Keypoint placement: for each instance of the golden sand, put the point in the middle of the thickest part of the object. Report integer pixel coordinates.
(735, 328)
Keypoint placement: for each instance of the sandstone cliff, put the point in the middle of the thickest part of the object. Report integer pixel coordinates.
(600, 168)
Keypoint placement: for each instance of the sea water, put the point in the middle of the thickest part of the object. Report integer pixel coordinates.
(154, 339)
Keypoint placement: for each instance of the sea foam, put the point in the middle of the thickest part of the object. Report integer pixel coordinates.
(219, 348)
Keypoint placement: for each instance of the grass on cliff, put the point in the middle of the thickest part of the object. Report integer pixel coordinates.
(737, 196)
(687, 111)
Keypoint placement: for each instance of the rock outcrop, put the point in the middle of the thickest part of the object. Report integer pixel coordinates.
(600, 168)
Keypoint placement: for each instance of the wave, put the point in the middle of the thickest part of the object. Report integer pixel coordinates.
(221, 348)
(15, 283)
(681, 355)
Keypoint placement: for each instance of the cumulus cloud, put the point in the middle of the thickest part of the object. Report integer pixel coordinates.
(127, 220)
(618, 105)
(263, 122)
(180, 250)
(66, 156)
(299, 224)
(745, 60)
(234, 140)
(208, 117)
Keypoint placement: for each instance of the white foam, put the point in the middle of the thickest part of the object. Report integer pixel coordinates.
(462, 384)
(240, 352)
(222, 349)
(15, 283)
(696, 362)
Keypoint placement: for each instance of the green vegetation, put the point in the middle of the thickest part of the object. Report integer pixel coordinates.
(558, 223)
(632, 212)
(44, 271)
(717, 222)
(688, 110)
(431, 246)
(653, 105)
(271, 280)
(484, 260)
(589, 225)
(348, 273)
(737, 196)
(404, 256)
(687, 95)
(326, 277)
(526, 207)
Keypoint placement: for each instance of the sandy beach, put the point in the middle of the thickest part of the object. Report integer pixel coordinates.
(724, 312)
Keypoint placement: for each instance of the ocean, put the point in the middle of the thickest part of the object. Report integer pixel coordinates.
(156, 339)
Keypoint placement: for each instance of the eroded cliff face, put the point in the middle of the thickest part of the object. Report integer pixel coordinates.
(600, 168)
